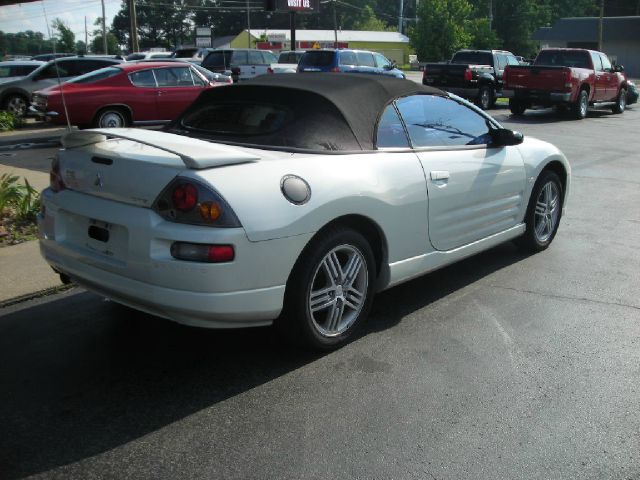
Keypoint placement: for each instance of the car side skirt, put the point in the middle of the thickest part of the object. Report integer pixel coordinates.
(410, 268)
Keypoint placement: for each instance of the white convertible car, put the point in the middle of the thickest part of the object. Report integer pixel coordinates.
(294, 199)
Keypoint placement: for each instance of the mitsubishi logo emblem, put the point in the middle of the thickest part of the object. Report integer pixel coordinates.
(98, 181)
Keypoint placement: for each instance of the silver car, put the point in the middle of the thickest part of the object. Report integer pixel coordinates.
(16, 69)
(15, 95)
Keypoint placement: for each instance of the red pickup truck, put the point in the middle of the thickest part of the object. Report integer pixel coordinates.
(566, 77)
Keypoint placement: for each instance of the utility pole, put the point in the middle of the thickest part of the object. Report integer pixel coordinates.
(490, 14)
(133, 26)
(104, 30)
(335, 26)
(292, 26)
(600, 25)
(400, 16)
(86, 36)
(248, 24)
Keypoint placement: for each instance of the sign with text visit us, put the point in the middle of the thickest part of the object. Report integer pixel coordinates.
(299, 6)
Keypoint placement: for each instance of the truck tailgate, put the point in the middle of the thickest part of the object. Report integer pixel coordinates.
(541, 77)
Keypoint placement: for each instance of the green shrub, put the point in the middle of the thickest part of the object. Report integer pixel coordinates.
(22, 201)
(7, 121)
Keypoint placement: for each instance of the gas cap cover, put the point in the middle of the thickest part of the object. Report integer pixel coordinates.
(295, 189)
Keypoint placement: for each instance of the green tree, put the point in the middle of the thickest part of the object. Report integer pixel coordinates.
(81, 47)
(442, 29)
(97, 46)
(369, 22)
(482, 36)
(66, 40)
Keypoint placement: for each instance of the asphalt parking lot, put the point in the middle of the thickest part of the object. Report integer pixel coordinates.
(501, 366)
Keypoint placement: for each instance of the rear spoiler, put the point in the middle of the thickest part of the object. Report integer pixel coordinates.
(195, 154)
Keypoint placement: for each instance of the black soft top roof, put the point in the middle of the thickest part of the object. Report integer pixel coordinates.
(360, 98)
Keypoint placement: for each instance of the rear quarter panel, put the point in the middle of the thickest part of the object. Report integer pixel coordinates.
(387, 188)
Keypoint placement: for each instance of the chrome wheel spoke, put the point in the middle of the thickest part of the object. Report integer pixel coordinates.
(353, 298)
(333, 268)
(352, 270)
(335, 315)
(321, 299)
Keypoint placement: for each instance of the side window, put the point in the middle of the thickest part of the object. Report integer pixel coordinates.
(348, 58)
(381, 60)
(173, 77)
(606, 64)
(391, 133)
(143, 78)
(511, 60)
(255, 58)
(435, 121)
(501, 61)
(365, 59)
(239, 58)
(597, 63)
(269, 58)
(197, 79)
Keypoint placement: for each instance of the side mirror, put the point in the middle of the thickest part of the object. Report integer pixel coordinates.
(388, 66)
(618, 68)
(503, 137)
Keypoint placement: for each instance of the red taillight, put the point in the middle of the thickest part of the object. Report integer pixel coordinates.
(335, 69)
(468, 74)
(55, 178)
(424, 73)
(185, 197)
(505, 76)
(198, 252)
(269, 70)
(567, 79)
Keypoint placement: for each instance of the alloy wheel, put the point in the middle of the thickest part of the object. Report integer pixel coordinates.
(338, 290)
(547, 212)
(111, 120)
(17, 106)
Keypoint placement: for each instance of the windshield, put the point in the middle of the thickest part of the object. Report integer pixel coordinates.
(97, 75)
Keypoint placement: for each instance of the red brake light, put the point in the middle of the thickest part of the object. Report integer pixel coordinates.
(185, 197)
(269, 70)
(567, 79)
(55, 179)
(424, 73)
(468, 75)
(220, 253)
(198, 252)
(505, 75)
(335, 69)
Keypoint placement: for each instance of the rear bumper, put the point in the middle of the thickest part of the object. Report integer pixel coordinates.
(537, 96)
(464, 92)
(141, 273)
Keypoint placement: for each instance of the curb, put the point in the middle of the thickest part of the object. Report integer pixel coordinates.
(41, 293)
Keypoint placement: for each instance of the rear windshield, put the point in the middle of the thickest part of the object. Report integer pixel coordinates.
(97, 75)
(563, 58)
(243, 115)
(473, 58)
(317, 59)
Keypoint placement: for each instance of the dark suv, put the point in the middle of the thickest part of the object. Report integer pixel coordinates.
(15, 96)
(348, 61)
(240, 63)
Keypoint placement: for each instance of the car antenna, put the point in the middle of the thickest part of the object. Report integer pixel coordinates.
(55, 64)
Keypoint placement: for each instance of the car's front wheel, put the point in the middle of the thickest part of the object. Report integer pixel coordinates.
(543, 213)
(16, 104)
(621, 101)
(330, 290)
(485, 97)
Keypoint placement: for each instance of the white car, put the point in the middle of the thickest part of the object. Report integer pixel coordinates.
(294, 200)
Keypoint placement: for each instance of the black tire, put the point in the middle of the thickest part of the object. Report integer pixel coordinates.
(16, 104)
(517, 107)
(112, 117)
(336, 301)
(535, 238)
(580, 107)
(486, 97)
(621, 101)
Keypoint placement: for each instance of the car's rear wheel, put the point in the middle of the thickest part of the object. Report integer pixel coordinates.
(581, 106)
(111, 117)
(485, 97)
(543, 213)
(517, 107)
(621, 101)
(16, 104)
(330, 290)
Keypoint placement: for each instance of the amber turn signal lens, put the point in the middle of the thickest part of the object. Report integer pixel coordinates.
(210, 211)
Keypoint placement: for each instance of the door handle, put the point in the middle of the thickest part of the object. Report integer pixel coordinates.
(439, 175)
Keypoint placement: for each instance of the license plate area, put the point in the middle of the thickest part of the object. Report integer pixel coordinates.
(99, 233)
(108, 241)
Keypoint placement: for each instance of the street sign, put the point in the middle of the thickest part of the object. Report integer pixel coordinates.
(204, 42)
(276, 37)
(298, 6)
(203, 31)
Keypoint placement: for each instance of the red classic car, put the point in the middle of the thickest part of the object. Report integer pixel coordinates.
(127, 94)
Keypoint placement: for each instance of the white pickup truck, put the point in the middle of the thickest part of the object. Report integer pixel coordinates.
(287, 62)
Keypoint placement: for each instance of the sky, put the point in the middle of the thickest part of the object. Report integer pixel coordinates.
(30, 16)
